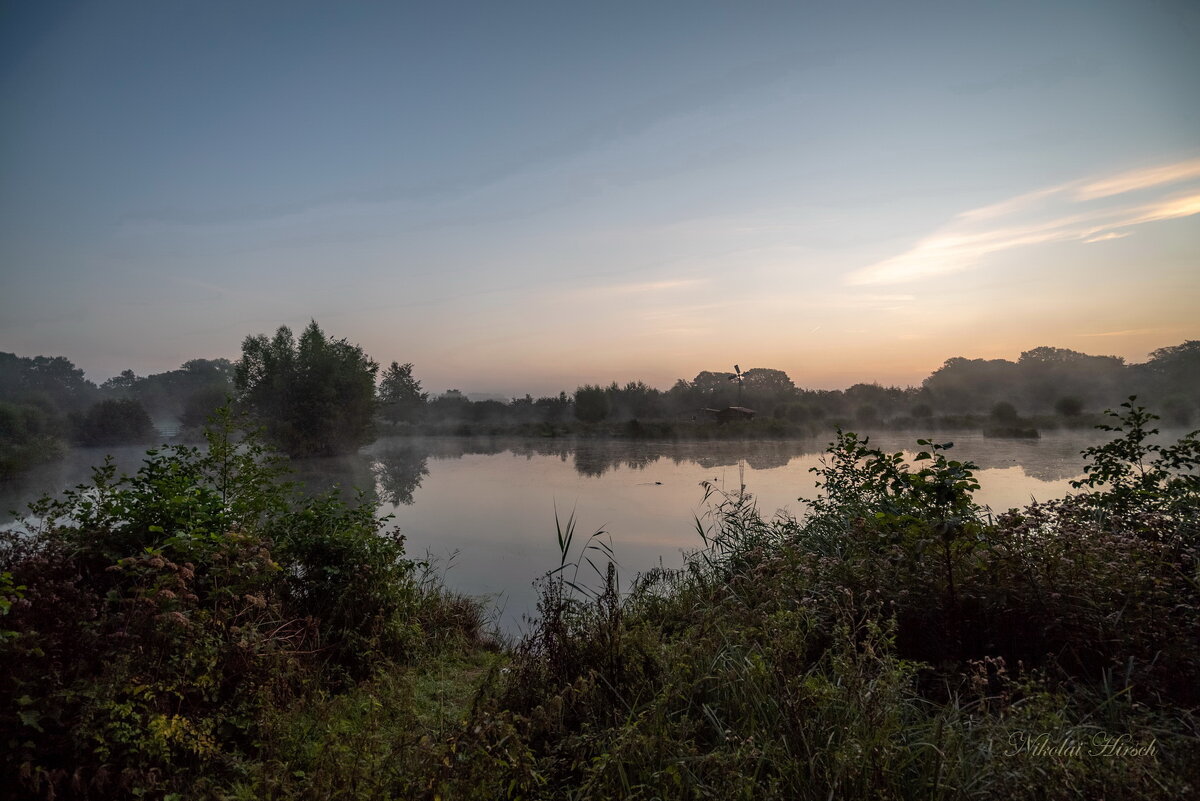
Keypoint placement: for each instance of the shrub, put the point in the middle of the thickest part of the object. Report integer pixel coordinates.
(866, 414)
(113, 422)
(28, 436)
(1069, 406)
(155, 621)
(1005, 412)
(591, 404)
(1137, 484)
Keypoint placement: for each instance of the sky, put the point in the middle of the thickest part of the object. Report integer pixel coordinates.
(522, 197)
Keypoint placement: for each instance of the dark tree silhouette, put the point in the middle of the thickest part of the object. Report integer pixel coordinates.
(400, 395)
(315, 397)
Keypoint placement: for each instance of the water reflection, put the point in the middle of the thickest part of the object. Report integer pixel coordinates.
(493, 501)
(399, 465)
(392, 470)
(398, 470)
(1053, 457)
(52, 478)
(348, 476)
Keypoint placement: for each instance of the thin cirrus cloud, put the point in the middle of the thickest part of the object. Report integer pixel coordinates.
(1140, 179)
(1088, 211)
(1128, 332)
(1106, 237)
(640, 287)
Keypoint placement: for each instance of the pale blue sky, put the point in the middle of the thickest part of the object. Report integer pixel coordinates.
(524, 197)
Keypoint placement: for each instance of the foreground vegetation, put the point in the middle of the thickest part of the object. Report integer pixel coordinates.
(155, 627)
(196, 632)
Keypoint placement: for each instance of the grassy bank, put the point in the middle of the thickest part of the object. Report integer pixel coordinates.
(894, 642)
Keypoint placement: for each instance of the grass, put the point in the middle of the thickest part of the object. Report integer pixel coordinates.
(444, 689)
(376, 740)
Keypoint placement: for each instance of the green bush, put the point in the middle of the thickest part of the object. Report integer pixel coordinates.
(1142, 486)
(113, 422)
(29, 435)
(155, 622)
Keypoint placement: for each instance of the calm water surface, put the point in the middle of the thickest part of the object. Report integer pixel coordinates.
(487, 511)
(483, 511)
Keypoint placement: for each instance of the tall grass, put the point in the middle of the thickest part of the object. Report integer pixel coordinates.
(894, 643)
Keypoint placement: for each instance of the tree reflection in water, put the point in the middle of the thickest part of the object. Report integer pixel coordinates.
(392, 469)
(399, 469)
(401, 464)
(348, 476)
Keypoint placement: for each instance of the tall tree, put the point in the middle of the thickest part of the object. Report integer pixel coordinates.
(316, 396)
(400, 395)
(591, 403)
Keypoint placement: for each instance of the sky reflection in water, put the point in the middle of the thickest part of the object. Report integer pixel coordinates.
(483, 510)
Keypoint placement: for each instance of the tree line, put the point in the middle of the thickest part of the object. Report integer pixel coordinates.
(1042, 381)
(318, 395)
(46, 403)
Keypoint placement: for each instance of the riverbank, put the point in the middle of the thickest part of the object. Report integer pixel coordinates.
(895, 642)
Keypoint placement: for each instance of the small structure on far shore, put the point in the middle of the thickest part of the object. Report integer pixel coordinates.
(731, 413)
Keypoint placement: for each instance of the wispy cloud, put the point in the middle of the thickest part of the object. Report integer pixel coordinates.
(1126, 332)
(1012, 205)
(1106, 237)
(1170, 209)
(1140, 179)
(1088, 211)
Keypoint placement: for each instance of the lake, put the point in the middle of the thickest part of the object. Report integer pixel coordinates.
(483, 511)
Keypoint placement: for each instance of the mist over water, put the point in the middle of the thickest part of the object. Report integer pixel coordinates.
(482, 511)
